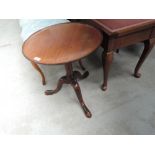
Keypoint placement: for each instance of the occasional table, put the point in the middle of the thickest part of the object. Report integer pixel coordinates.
(61, 45)
(119, 33)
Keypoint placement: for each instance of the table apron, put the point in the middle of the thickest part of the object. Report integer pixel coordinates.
(153, 33)
(122, 41)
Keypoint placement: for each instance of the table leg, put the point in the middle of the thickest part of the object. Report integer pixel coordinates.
(58, 88)
(77, 90)
(148, 45)
(40, 71)
(71, 78)
(117, 51)
(78, 75)
(81, 65)
(107, 59)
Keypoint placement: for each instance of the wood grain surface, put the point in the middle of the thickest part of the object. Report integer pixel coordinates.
(62, 43)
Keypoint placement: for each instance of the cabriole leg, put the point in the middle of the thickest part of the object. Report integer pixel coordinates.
(148, 45)
(107, 59)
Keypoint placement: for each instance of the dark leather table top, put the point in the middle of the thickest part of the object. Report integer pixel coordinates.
(123, 26)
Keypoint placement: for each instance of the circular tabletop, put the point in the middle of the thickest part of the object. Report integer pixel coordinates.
(62, 43)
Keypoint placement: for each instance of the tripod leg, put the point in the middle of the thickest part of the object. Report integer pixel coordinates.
(77, 90)
(59, 86)
(77, 75)
(81, 65)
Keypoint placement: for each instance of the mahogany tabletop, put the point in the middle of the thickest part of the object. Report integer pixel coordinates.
(122, 26)
(62, 43)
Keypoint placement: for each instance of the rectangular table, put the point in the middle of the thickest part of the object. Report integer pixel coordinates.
(119, 33)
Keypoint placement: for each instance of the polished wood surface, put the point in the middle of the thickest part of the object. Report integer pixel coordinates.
(62, 43)
(119, 33)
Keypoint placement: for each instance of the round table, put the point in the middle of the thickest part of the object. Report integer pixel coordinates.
(64, 44)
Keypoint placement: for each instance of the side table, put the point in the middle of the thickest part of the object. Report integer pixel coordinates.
(119, 33)
(61, 45)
